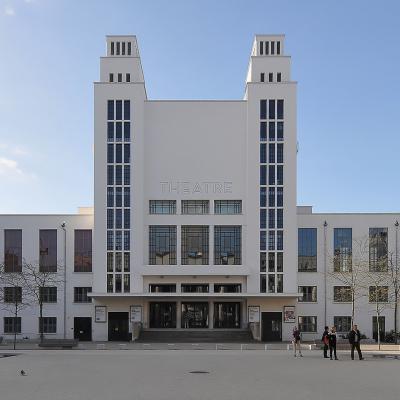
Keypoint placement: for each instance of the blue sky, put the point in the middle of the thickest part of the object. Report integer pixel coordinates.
(345, 56)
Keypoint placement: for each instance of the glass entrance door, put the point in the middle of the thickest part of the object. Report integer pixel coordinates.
(227, 315)
(194, 315)
(162, 315)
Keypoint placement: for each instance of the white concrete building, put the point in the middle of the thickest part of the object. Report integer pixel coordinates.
(195, 225)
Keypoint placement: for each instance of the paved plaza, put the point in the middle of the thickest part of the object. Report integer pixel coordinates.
(168, 375)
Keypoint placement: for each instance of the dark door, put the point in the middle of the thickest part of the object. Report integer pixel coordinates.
(83, 329)
(118, 326)
(271, 327)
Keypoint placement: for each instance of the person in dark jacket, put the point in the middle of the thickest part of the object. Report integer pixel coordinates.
(354, 340)
(332, 342)
(325, 341)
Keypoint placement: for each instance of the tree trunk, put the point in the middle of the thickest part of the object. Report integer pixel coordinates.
(41, 322)
(15, 323)
(396, 297)
(378, 333)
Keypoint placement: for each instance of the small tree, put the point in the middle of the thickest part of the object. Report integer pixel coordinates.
(13, 298)
(394, 278)
(36, 280)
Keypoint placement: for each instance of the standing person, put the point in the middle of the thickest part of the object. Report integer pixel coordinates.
(296, 341)
(332, 342)
(325, 341)
(354, 339)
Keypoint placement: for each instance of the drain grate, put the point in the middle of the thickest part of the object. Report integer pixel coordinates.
(199, 372)
(5, 355)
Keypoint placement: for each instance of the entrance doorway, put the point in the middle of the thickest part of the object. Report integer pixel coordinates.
(118, 326)
(194, 315)
(162, 315)
(271, 325)
(83, 329)
(227, 315)
(381, 328)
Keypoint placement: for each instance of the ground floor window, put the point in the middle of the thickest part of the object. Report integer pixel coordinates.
(12, 325)
(227, 315)
(308, 324)
(342, 323)
(194, 315)
(163, 315)
(48, 324)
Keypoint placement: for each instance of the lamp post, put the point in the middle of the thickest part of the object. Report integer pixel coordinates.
(325, 249)
(63, 226)
(396, 279)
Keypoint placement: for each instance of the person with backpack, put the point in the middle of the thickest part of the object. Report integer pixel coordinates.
(296, 341)
(332, 342)
(354, 340)
(325, 341)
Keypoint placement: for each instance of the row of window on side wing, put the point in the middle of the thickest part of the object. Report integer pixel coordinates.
(195, 207)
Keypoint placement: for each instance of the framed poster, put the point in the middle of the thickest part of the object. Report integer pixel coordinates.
(136, 313)
(100, 314)
(254, 313)
(289, 315)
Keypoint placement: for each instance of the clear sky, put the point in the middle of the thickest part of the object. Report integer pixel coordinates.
(345, 56)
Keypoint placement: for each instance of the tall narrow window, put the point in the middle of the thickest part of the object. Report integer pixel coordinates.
(266, 48)
(13, 250)
(123, 48)
(118, 48)
(278, 47)
(127, 109)
(83, 250)
(162, 245)
(263, 131)
(128, 77)
(110, 131)
(342, 243)
(119, 78)
(112, 48)
(263, 153)
(110, 153)
(263, 109)
(279, 111)
(271, 109)
(270, 77)
(48, 250)
(272, 48)
(271, 153)
(127, 131)
(261, 48)
(129, 48)
(262, 77)
(118, 132)
(271, 131)
(378, 249)
(110, 110)
(111, 77)
(118, 109)
(227, 245)
(307, 249)
(279, 77)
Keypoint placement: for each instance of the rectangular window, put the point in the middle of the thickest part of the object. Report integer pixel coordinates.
(118, 196)
(110, 131)
(12, 325)
(127, 218)
(263, 109)
(48, 294)
(162, 288)
(279, 283)
(118, 240)
(127, 153)
(307, 324)
(12, 294)
(110, 240)
(162, 207)
(263, 196)
(227, 288)
(194, 245)
(279, 128)
(271, 218)
(110, 175)
(279, 77)
(110, 153)
(118, 132)
(279, 175)
(263, 153)
(110, 283)
(195, 207)
(228, 206)
(110, 196)
(263, 283)
(271, 109)
(118, 262)
(118, 110)
(271, 131)
(271, 197)
(271, 283)
(110, 262)
(228, 245)
(123, 48)
(279, 196)
(48, 324)
(194, 288)
(378, 249)
(118, 174)
(342, 294)
(162, 245)
(119, 77)
(128, 77)
(12, 250)
(279, 153)
(263, 175)
(110, 219)
(261, 48)
(263, 218)
(381, 291)
(262, 77)
(342, 323)
(118, 153)
(307, 249)
(342, 243)
(263, 262)
(127, 175)
(279, 240)
(129, 48)
(279, 262)
(263, 131)
(309, 294)
(278, 47)
(81, 294)
(118, 218)
(48, 250)
(279, 218)
(279, 111)
(127, 262)
(127, 197)
(127, 110)
(270, 77)
(266, 48)
(127, 240)
(83, 250)
(112, 48)
(271, 240)
(271, 151)
(118, 48)
(111, 77)
(118, 283)
(110, 110)
(263, 240)
(271, 262)
(271, 174)
(127, 131)
(272, 48)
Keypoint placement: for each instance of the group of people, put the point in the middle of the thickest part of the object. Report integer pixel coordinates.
(329, 340)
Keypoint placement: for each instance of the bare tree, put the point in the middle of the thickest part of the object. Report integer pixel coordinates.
(37, 280)
(349, 267)
(13, 297)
